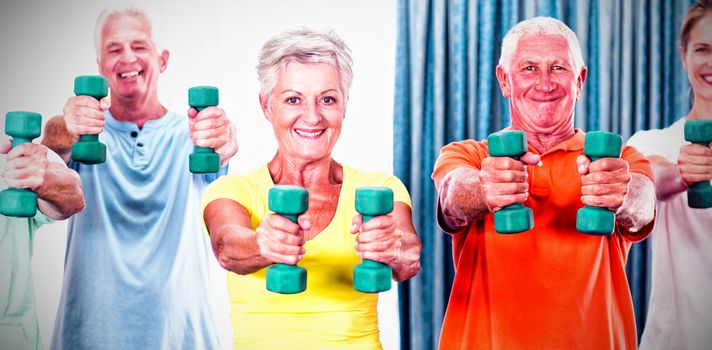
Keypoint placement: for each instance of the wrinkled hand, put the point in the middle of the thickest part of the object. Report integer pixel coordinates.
(25, 166)
(377, 239)
(280, 240)
(504, 180)
(84, 115)
(604, 183)
(695, 163)
(212, 128)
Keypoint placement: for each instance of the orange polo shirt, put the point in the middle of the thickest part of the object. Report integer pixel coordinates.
(548, 288)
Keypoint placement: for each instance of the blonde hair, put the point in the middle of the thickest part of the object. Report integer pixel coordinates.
(693, 15)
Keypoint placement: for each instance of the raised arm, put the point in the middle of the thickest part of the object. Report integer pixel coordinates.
(390, 239)
(81, 115)
(58, 188)
(57, 138)
(609, 183)
(468, 194)
(242, 250)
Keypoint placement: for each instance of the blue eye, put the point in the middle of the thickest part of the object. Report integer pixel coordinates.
(293, 100)
(329, 100)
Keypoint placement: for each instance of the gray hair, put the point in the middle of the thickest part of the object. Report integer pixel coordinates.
(304, 46)
(540, 25)
(120, 11)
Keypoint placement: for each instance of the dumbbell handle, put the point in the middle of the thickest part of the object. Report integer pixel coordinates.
(199, 149)
(17, 140)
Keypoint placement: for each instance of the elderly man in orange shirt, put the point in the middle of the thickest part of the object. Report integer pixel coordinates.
(550, 287)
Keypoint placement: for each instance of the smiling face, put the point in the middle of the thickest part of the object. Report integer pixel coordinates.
(697, 58)
(306, 109)
(542, 84)
(128, 58)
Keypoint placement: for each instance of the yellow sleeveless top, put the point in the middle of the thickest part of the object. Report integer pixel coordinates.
(330, 314)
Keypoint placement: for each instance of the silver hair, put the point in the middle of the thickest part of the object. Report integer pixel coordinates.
(540, 25)
(306, 46)
(120, 11)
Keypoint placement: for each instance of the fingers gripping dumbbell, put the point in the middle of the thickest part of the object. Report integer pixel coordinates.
(373, 276)
(23, 127)
(513, 218)
(88, 149)
(290, 202)
(597, 220)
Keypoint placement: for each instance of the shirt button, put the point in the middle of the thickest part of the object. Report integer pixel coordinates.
(139, 144)
(134, 134)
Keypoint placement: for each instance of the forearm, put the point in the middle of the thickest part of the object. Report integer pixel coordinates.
(461, 198)
(60, 195)
(233, 241)
(638, 208)
(408, 263)
(668, 181)
(57, 138)
(230, 148)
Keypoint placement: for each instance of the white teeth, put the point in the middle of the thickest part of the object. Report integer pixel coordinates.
(309, 134)
(708, 78)
(129, 74)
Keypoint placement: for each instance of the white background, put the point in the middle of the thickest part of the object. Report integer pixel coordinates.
(45, 44)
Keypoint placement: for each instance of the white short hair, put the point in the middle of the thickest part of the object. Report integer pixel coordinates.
(120, 11)
(539, 25)
(306, 46)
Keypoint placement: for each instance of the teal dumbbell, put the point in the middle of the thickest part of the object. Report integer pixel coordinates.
(203, 159)
(699, 195)
(290, 202)
(513, 218)
(372, 276)
(23, 127)
(597, 220)
(88, 149)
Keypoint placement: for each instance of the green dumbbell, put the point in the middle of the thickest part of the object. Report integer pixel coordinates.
(290, 202)
(88, 149)
(203, 159)
(597, 220)
(513, 218)
(372, 276)
(23, 127)
(699, 195)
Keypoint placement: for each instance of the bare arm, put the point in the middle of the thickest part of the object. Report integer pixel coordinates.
(58, 188)
(58, 138)
(668, 181)
(212, 128)
(407, 262)
(638, 208)
(60, 195)
(461, 199)
(390, 239)
(467, 194)
(81, 115)
(233, 240)
(608, 183)
(243, 250)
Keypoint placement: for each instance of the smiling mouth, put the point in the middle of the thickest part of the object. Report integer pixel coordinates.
(309, 134)
(707, 78)
(129, 75)
(544, 100)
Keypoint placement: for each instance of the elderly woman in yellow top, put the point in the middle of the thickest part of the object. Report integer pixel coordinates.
(305, 77)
